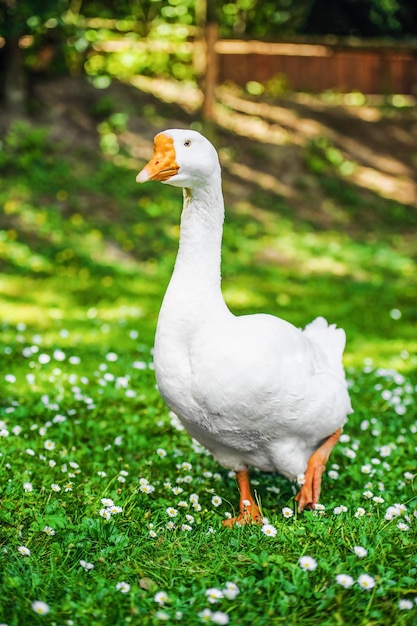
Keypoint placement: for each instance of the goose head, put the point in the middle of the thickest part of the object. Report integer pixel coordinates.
(183, 158)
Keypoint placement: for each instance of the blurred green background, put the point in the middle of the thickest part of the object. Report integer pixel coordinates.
(320, 189)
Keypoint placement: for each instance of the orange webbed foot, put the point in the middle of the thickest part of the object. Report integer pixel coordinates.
(249, 514)
(309, 493)
(249, 510)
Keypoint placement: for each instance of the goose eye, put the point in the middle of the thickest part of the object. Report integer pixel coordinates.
(187, 143)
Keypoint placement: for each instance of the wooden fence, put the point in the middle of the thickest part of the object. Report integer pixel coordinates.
(316, 67)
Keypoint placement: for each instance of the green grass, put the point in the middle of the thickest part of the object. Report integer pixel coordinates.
(87, 425)
(86, 255)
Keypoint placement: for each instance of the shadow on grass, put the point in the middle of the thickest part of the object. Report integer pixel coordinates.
(78, 233)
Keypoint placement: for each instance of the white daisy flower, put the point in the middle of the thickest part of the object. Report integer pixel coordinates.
(307, 563)
(39, 607)
(218, 617)
(107, 502)
(214, 595)
(105, 513)
(405, 605)
(205, 616)
(345, 580)
(186, 527)
(366, 582)
(161, 597)
(360, 551)
(230, 591)
(146, 488)
(172, 512)
(269, 530)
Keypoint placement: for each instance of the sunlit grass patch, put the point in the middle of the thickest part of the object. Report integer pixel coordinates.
(85, 224)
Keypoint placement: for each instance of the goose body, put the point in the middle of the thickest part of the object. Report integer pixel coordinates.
(253, 389)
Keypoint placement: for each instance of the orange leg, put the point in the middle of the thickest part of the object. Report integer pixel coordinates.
(310, 492)
(249, 510)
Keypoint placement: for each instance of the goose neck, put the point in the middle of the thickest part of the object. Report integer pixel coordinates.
(201, 232)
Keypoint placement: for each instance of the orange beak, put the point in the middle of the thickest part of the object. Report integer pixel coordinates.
(163, 164)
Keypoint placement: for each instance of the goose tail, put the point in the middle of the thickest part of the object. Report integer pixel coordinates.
(332, 341)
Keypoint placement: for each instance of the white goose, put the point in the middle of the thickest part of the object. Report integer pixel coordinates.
(253, 389)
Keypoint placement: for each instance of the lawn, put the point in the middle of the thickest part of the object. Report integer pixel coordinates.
(109, 513)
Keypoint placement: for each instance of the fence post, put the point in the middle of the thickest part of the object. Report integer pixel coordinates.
(210, 82)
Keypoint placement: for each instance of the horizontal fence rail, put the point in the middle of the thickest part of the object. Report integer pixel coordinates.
(317, 67)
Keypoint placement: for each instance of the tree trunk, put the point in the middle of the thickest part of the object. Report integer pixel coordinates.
(15, 83)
